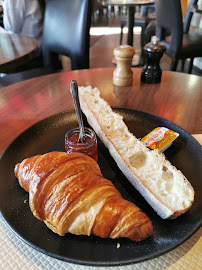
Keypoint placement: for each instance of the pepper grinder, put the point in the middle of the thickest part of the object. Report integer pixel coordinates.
(151, 72)
(123, 75)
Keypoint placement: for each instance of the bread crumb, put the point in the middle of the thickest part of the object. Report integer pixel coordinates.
(25, 201)
(118, 245)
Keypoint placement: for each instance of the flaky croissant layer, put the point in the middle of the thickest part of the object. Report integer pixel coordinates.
(69, 193)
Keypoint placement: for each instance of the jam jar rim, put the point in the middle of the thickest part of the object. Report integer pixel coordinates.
(81, 144)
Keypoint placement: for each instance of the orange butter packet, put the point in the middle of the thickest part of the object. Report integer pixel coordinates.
(160, 138)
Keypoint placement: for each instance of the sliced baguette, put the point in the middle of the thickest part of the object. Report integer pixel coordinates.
(164, 187)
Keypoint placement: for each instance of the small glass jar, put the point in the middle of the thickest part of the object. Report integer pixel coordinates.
(87, 147)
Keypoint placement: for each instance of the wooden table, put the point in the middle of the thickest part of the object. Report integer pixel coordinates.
(131, 4)
(178, 98)
(15, 50)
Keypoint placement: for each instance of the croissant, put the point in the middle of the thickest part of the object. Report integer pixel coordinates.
(69, 193)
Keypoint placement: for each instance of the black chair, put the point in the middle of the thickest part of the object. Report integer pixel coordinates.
(66, 32)
(188, 15)
(141, 21)
(180, 45)
(150, 31)
(99, 8)
(191, 8)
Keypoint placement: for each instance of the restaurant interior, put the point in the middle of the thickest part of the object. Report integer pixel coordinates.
(106, 20)
(125, 77)
(108, 29)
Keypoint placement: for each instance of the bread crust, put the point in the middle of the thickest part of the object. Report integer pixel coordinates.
(163, 209)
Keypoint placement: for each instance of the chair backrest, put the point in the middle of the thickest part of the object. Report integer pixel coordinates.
(66, 32)
(145, 10)
(169, 19)
(188, 15)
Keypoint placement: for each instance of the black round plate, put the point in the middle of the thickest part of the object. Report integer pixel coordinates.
(48, 135)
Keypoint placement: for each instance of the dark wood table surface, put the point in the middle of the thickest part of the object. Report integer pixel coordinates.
(15, 50)
(177, 98)
(131, 5)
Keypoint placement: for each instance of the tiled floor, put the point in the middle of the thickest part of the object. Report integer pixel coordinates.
(105, 35)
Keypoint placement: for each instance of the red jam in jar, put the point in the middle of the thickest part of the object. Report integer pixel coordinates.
(87, 147)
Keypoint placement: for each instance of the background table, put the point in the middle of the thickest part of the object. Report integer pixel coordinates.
(178, 98)
(130, 4)
(15, 50)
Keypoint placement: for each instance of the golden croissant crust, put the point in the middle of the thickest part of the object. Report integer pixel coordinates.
(69, 193)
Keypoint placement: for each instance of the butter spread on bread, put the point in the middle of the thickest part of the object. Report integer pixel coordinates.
(68, 192)
(162, 185)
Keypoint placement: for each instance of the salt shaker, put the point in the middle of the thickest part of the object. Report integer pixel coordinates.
(151, 72)
(123, 75)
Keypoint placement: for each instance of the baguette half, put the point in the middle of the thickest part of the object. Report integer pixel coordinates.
(164, 187)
